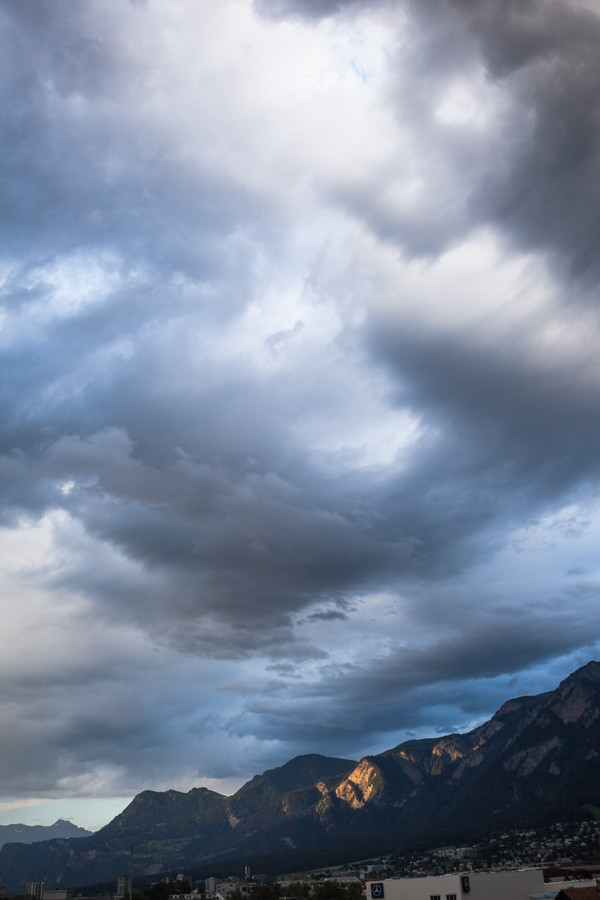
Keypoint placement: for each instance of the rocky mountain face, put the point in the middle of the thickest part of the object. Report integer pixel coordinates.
(535, 760)
(30, 834)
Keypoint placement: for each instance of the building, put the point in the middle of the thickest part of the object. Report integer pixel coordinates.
(574, 892)
(123, 885)
(464, 853)
(515, 884)
(38, 890)
(35, 889)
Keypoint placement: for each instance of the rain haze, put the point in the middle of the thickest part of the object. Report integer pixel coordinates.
(300, 430)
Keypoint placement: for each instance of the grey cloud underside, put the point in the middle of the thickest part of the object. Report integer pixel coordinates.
(517, 428)
(175, 489)
(62, 742)
(509, 424)
(197, 466)
(548, 195)
(432, 688)
(281, 9)
(103, 182)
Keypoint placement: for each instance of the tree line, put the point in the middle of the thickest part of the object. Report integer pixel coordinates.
(302, 890)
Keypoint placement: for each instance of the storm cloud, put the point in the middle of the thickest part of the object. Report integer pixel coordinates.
(299, 373)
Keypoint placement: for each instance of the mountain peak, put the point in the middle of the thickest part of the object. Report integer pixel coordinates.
(296, 774)
(590, 672)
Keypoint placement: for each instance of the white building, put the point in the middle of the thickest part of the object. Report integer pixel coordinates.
(516, 884)
(38, 891)
(123, 885)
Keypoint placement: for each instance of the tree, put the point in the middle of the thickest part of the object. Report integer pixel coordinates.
(264, 892)
(330, 890)
(297, 889)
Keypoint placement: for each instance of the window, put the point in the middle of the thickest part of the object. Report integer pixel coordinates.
(450, 896)
(434, 897)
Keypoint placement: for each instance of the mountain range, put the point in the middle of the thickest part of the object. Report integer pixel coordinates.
(535, 761)
(30, 834)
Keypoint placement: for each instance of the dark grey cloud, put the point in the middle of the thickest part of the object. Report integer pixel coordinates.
(327, 615)
(280, 9)
(546, 195)
(534, 173)
(513, 433)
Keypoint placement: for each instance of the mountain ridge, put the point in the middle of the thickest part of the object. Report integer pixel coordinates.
(535, 758)
(30, 834)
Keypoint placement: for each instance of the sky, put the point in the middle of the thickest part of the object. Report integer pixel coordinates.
(300, 420)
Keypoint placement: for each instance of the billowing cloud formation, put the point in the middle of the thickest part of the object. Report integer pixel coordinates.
(299, 373)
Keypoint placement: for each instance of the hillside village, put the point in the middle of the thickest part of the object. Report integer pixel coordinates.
(564, 853)
(565, 850)
(566, 856)
(561, 845)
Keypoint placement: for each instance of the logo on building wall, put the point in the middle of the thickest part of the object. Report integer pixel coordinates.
(376, 890)
(465, 884)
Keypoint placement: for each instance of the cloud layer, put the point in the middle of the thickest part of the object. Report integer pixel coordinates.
(299, 375)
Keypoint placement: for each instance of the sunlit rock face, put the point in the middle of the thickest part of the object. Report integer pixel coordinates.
(364, 784)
